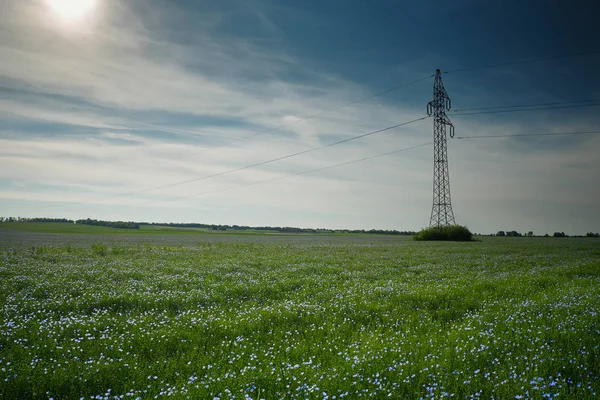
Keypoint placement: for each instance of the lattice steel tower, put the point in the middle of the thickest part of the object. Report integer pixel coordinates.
(441, 213)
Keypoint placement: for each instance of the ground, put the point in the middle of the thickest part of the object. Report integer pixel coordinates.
(296, 316)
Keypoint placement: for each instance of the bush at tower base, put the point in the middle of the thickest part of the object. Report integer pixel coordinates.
(457, 233)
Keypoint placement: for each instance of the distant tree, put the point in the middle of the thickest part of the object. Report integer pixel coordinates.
(513, 234)
(592, 234)
(500, 233)
(110, 224)
(61, 220)
(559, 234)
(546, 235)
(530, 233)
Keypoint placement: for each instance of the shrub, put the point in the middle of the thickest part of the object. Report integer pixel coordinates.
(99, 249)
(456, 233)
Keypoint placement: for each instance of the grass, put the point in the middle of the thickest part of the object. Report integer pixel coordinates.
(376, 318)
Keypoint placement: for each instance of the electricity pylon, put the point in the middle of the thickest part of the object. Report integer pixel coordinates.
(441, 213)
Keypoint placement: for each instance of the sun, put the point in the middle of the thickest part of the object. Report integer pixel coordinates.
(72, 12)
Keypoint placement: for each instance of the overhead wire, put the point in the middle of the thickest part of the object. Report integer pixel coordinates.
(353, 162)
(526, 105)
(529, 134)
(531, 60)
(461, 112)
(266, 161)
(248, 166)
(389, 90)
(280, 177)
(348, 163)
(525, 109)
(385, 92)
(313, 116)
(367, 134)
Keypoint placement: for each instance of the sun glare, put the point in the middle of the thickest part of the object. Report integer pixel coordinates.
(72, 11)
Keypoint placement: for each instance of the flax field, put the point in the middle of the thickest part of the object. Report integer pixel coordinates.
(84, 317)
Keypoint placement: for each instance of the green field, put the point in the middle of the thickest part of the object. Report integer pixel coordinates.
(59, 227)
(374, 317)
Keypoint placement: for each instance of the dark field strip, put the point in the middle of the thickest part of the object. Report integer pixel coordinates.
(272, 317)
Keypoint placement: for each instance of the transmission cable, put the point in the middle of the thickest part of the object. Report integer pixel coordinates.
(403, 85)
(245, 167)
(235, 140)
(267, 161)
(365, 99)
(353, 162)
(526, 109)
(314, 115)
(532, 60)
(280, 177)
(530, 134)
(526, 105)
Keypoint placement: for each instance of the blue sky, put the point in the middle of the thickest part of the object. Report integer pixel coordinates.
(99, 109)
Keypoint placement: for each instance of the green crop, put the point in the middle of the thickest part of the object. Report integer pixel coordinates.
(274, 319)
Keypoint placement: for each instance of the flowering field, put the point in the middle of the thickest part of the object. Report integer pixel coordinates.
(276, 319)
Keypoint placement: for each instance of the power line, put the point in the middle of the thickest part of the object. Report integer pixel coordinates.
(336, 165)
(526, 105)
(267, 161)
(358, 101)
(357, 161)
(333, 144)
(392, 89)
(530, 134)
(285, 176)
(352, 162)
(527, 109)
(531, 60)
(403, 85)
(253, 165)
(235, 140)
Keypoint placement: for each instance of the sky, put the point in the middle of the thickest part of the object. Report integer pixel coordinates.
(141, 110)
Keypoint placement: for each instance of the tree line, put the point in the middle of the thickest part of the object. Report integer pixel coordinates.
(284, 229)
(88, 221)
(136, 225)
(109, 224)
(530, 234)
(21, 219)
